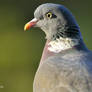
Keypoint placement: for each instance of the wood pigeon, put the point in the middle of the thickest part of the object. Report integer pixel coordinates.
(66, 63)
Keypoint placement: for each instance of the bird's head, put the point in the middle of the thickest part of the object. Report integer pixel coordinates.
(55, 20)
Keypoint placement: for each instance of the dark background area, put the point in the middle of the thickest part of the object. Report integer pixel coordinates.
(20, 51)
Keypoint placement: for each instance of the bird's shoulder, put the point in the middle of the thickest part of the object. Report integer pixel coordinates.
(64, 63)
(66, 71)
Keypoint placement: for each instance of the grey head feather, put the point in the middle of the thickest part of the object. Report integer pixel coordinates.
(63, 24)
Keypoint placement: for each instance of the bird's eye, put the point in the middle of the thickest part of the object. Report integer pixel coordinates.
(49, 15)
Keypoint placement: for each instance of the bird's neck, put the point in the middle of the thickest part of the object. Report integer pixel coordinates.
(56, 46)
(62, 44)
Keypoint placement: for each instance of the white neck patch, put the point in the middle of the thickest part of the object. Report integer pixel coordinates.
(61, 44)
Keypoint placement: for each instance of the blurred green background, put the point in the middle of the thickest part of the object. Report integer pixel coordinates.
(20, 51)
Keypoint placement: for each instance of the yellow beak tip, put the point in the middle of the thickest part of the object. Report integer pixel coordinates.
(25, 27)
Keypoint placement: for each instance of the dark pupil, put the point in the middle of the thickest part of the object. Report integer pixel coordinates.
(48, 15)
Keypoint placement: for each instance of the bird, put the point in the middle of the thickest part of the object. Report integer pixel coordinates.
(66, 62)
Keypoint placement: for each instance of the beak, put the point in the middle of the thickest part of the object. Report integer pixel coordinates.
(30, 24)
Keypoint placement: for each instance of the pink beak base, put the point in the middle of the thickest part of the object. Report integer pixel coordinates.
(30, 24)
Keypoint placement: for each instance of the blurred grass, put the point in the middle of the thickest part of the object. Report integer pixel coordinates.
(19, 55)
(20, 51)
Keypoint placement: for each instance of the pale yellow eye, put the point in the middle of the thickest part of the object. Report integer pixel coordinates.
(49, 15)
